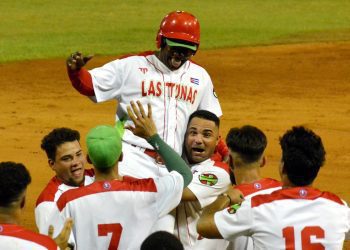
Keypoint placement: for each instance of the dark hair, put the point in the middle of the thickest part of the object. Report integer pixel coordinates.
(161, 240)
(14, 179)
(205, 114)
(302, 154)
(57, 137)
(248, 141)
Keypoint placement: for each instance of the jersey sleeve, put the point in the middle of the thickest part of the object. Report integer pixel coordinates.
(43, 212)
(233, 224)
(207, 185)
(108, 80)
(210, 100)
(169, 189)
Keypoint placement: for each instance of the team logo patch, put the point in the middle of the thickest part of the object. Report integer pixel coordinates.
(194, 80)
(143, 70)
(107, 185)
(302, 192)
(233, 208)
(214, 93)
(208, 179)
(257, 185)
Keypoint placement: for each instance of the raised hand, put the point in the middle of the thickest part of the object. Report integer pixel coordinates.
(62, 239)
(76, 60)
(144, 125)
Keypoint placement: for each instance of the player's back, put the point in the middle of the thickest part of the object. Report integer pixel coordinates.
(299, 218)
(118, 214)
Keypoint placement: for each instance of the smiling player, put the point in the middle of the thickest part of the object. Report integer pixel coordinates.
(167, 79)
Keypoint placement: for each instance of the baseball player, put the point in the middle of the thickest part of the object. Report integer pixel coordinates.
(14, 179)
(210, 179)
(246, 146)
(173, 84)
(297, 216)
(118, 212)
(67, 159)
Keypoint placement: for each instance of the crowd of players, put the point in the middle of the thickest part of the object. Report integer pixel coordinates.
(162, 176)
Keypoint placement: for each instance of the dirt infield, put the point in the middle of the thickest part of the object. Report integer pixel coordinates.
(273, 88)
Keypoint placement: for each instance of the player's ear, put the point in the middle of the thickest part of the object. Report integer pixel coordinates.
(88, 159)
(121, 156)
(263, 161)
(51, 163)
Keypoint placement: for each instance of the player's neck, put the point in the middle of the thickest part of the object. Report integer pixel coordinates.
(107, 176)
(246, 175)
(9, 215)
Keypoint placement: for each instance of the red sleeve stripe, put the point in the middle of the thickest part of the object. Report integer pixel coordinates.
(24, 234)
(304, 193)
(48, 194)
(141, 185)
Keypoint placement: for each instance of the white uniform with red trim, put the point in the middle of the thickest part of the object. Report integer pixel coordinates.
(14, 237)
(210, 179)
(118, 214)
(46, 201)
(262, 186)
(174, 96)
(292, 218)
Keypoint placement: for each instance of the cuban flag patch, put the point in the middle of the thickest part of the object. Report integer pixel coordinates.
(194, 80)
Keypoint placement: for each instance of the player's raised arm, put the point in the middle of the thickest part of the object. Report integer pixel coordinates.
(145, 128)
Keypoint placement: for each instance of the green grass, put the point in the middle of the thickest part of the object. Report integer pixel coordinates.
(49, 29)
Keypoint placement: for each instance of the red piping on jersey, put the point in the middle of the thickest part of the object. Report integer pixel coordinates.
(49, 192)
(19, 232)
(303, 193)
(265, 183)
(137, 185)
(222, 165)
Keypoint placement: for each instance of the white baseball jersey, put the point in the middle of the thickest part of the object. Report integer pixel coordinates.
(46, 201)
(118, 214)
(291, 218)
(262, 186)
(210, 179)
(174, 96)
(14, 237)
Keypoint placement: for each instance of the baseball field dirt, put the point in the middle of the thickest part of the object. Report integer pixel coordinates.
(272, 87)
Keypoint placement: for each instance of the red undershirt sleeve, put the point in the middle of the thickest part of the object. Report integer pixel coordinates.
(81, 81)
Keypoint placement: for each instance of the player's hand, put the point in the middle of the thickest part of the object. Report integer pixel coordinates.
(235, 195)
(76, 61)
(144, 125)
(62, 239)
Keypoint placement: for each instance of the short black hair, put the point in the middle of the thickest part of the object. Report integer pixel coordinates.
(14, 179)
(205, 114)
(161, 240)
(302, 154)
(248, 141)
(57, 137)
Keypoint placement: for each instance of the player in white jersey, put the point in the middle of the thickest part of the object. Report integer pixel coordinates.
(246, 150)
(67, 160)
(210, 178)
(297, 216)
(118, 212)
(14, 179)
(168, 79)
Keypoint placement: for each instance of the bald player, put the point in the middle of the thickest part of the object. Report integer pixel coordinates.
(118, 212)
(167, 78)
(297, 216)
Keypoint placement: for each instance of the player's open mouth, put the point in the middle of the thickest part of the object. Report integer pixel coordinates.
(77, 172)
(199, 150)
(175, 62)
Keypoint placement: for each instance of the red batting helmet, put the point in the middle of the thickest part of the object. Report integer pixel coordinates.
(179, 25)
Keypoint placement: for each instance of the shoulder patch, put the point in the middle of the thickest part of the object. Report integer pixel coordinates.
(208, 179)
